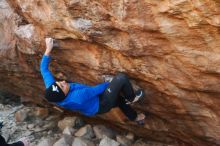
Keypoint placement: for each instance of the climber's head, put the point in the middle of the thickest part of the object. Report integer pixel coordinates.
(57, 91)
(64, 85)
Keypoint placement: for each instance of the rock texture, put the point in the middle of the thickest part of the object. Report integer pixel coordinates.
(168, 47)
(45, 131)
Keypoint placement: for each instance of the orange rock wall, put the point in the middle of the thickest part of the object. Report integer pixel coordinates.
(171, 48)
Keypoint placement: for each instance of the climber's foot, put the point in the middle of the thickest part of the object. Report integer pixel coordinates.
(140, 119)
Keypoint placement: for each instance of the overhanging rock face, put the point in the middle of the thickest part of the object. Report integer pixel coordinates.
(171, 48)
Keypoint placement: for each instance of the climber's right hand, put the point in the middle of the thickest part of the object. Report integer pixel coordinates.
(49, 45)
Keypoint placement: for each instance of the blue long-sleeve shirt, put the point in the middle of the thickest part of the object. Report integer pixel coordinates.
(82, 98)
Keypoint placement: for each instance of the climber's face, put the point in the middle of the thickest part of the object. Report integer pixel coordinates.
(64, 86)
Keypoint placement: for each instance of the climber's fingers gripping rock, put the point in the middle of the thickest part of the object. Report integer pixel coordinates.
(49, 45)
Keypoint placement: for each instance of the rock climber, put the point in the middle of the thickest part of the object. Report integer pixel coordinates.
(90, 100)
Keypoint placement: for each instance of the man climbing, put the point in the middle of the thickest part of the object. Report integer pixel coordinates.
(90, 100)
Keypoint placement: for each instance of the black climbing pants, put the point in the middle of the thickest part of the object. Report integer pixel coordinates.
(3, 142)
(115, 94)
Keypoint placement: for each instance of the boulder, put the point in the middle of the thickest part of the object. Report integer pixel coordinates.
(79, 141)
(70, 122)
(101, 131)
(124, 141)
(66, 140)
(69, 131)
(106, 141)
(21, 115)
(46, 142)
(86, 132)
(130, 136)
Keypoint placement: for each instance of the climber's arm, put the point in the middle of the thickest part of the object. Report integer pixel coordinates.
(44, 66)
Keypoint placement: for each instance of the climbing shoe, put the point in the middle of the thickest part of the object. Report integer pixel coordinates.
(141, 121)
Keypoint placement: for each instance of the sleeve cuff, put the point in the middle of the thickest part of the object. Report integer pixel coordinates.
(46, 56)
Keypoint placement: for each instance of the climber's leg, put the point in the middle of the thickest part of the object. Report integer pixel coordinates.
(109, 98)
(130, 113)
